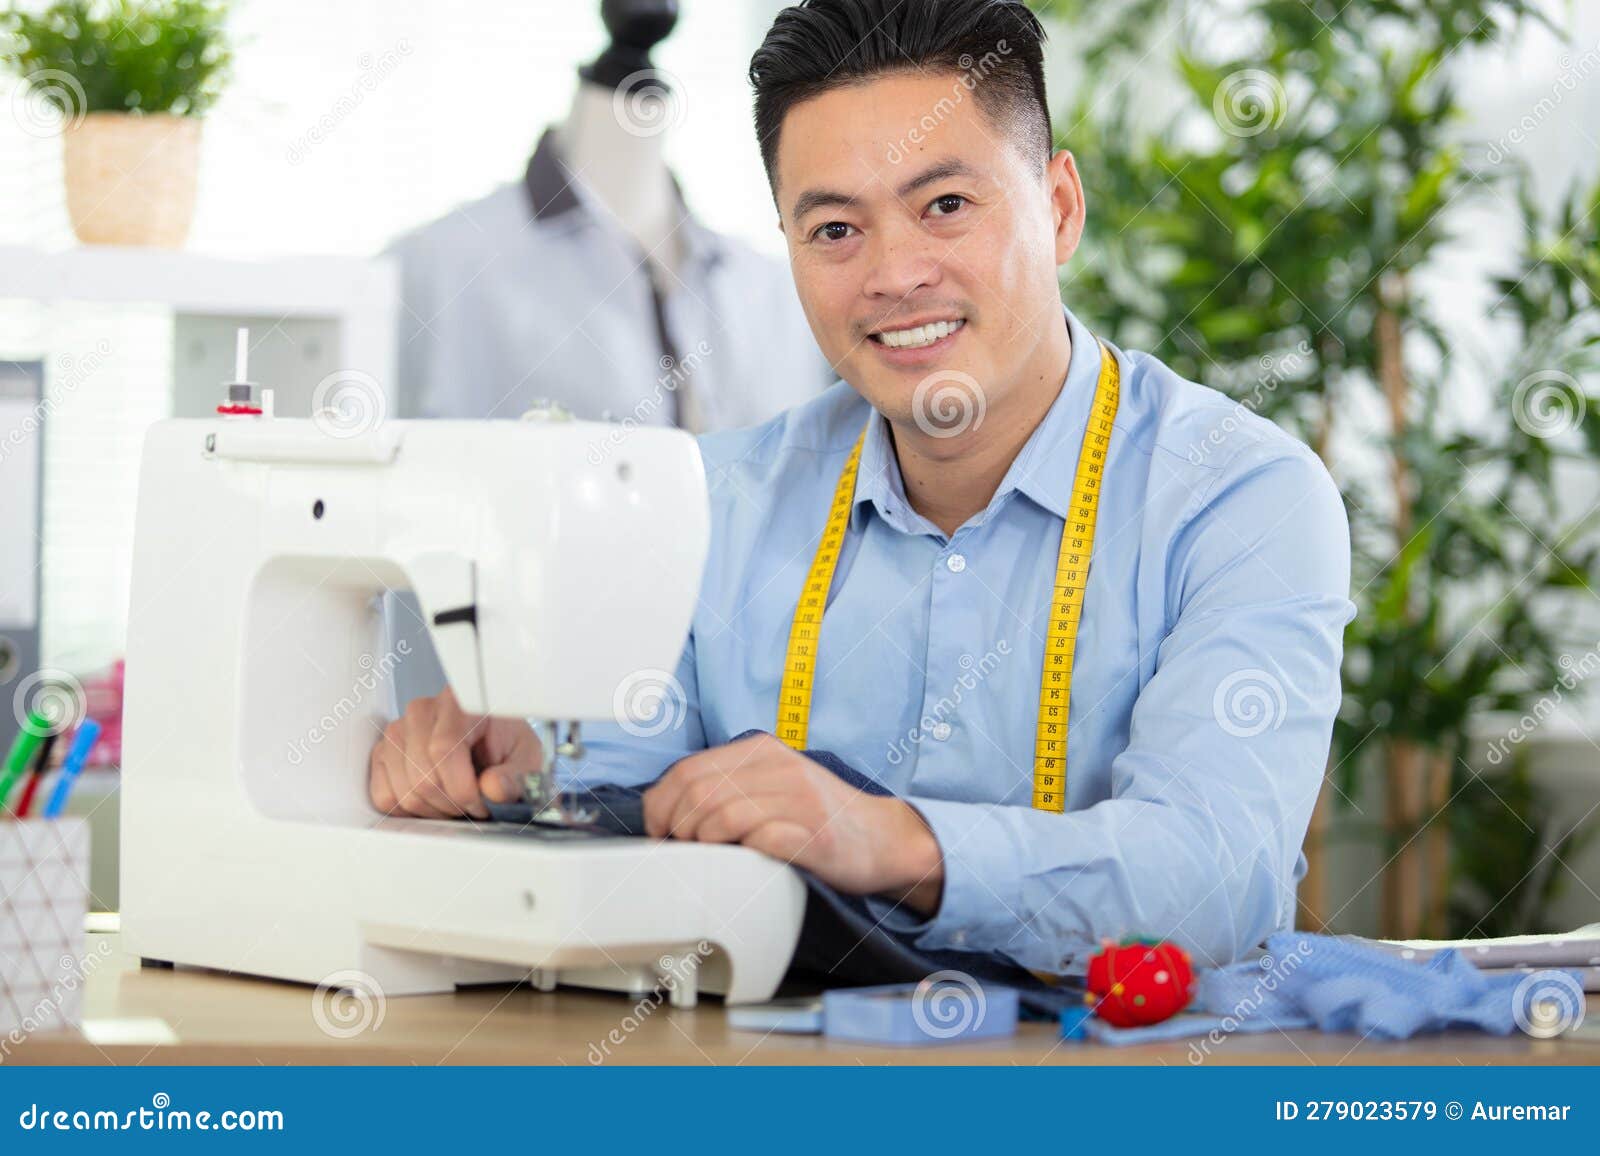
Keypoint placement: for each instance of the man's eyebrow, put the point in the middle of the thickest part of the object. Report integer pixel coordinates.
(939, 171)
(827, 198)
(820, 199)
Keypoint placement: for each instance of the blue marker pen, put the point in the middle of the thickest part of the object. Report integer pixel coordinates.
(82, 743)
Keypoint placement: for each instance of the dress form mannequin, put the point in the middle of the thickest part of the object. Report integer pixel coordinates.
(613, 136)
(540, 290)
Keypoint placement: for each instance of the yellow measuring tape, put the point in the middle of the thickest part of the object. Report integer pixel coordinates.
(1066, 602)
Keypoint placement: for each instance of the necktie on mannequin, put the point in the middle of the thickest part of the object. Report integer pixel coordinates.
(677, 373)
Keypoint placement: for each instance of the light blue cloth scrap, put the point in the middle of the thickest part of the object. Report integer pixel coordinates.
(1344, 985)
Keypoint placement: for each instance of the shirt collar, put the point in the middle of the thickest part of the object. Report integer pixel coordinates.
(1043, 471)
(555, 194)
(878, 480)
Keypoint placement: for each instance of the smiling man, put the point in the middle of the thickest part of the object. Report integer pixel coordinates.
(1095, 670)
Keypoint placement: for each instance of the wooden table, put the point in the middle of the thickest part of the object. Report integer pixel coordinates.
(135, 1016)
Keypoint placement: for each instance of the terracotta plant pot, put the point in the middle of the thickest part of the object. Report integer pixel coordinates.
(131, 177)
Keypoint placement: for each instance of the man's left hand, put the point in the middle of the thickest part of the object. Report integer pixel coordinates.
(762, 794)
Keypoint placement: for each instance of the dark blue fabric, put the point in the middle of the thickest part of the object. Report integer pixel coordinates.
(841, 944)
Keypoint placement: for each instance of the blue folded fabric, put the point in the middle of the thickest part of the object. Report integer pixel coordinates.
(1346, 985)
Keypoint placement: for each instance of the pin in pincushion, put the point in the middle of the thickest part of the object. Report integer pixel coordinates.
(1140, 982)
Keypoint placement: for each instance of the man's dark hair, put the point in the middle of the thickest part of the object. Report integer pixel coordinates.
(819, 45)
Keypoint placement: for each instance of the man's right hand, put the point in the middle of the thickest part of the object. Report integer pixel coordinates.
(438, 762)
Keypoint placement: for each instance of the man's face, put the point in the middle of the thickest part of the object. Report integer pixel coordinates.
(924, 243)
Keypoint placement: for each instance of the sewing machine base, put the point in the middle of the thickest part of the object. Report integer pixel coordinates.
(411, 907)
(682, 984)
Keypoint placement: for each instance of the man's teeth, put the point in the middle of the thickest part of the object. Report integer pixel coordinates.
(919, 336)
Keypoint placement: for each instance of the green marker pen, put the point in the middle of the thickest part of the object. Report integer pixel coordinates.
(21, 753)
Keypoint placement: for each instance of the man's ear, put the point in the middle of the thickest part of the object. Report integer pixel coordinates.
(1066, 204)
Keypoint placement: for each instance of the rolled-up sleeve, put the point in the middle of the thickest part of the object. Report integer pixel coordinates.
(1228, 743)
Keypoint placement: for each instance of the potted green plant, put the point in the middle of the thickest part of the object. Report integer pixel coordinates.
(126, 84)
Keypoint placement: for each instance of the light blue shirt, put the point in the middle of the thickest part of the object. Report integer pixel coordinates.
(1204, 688)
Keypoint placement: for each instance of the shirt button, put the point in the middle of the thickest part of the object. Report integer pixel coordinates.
(959, 938)
(940, 731)
(956, 562)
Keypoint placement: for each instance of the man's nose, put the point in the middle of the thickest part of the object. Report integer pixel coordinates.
(902, 261)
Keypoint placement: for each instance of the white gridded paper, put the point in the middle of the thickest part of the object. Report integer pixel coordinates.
(44, 896)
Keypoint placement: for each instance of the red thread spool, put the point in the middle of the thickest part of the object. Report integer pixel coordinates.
(1140, 983)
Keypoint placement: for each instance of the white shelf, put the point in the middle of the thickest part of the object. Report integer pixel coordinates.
(195, 283)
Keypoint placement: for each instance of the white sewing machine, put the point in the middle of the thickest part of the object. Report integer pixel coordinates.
(262, 546)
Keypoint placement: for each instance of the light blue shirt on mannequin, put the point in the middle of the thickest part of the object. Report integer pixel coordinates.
(1205, 682)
